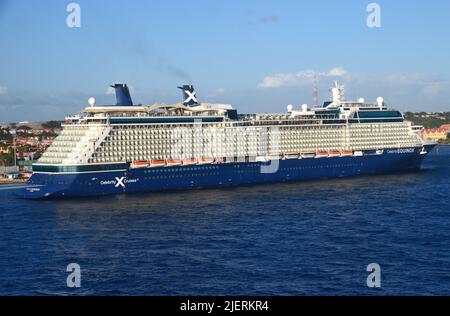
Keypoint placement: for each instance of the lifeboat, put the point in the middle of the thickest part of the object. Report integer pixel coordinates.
(189, 161)
(157, 163)
(206, 160)
(292, 155)
(346, 153)
(174, 162)
(307, 155)
(261, 159)
(334, 154)
(369, 152)
(139, 164)
(358, 153)
(379, 152)
(322, 154)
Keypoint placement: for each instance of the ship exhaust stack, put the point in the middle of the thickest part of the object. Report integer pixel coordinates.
(189, 95)
(123, 96)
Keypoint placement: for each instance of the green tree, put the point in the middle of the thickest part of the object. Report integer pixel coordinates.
(52, 124)
(6, 136)
(7, 159)
(47, 134)
(24, 127)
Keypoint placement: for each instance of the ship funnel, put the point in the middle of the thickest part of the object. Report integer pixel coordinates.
(189, 95)
(122, 94)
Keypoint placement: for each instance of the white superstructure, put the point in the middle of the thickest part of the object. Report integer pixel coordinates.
(107, 134)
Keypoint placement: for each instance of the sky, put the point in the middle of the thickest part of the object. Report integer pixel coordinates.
(259, 55)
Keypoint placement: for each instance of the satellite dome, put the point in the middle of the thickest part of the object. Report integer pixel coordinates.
(91, 101)
(380, 102)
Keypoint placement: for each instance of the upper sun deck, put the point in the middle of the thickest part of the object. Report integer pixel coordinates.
(337, 111)
(156, 113)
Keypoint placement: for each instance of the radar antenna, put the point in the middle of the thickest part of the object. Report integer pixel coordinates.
(315, 91)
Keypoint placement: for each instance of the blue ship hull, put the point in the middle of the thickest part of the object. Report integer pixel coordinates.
(59, 185)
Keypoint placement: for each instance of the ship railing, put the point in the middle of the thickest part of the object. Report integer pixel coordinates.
(92, 142)
(76, 145)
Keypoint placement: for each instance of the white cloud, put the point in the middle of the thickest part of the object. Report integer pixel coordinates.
(337, 72)
(300, 78)
(429, 86)
(419, 91)
(3, 89)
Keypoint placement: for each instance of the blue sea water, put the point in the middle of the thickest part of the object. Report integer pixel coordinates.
(306, 238)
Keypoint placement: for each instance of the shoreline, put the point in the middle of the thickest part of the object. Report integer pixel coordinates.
(16, 181)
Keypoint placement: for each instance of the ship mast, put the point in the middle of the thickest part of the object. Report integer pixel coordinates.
(315, 92)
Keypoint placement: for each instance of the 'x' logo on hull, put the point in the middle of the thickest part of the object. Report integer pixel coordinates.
(120, 182)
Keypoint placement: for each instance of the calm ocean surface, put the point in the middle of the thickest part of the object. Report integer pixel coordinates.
(305, 238)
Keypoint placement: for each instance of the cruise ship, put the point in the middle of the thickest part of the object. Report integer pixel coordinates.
(127, 148)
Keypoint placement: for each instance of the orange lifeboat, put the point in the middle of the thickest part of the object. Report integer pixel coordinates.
(189, 161)
(334, 154)
(322, 154)
(157, 163)
(174, 162)
(139, 164)
(346, 153)
(206, 160)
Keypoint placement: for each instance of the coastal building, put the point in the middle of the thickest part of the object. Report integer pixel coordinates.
(436, 134)
(39, 131)
(27, 156)
(11, 169)
(25, 131)
(32, 140)
(12, 176)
